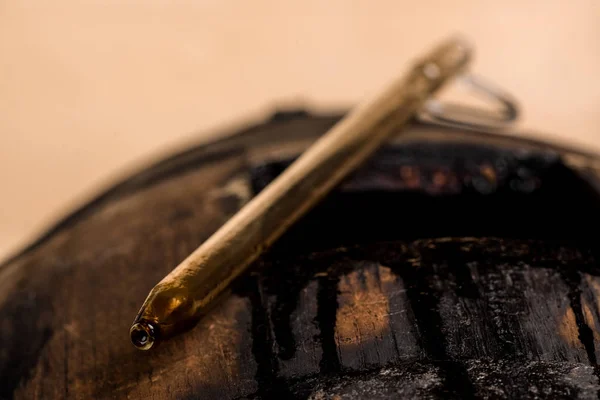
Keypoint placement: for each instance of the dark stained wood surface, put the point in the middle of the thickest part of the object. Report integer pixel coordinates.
(439, 270)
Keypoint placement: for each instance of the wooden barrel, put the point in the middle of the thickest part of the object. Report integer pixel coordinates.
(453, 265)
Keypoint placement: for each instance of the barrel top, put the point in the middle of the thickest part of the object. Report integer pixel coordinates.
(440, 269)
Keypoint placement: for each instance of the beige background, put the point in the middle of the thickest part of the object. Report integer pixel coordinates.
(93, 89)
